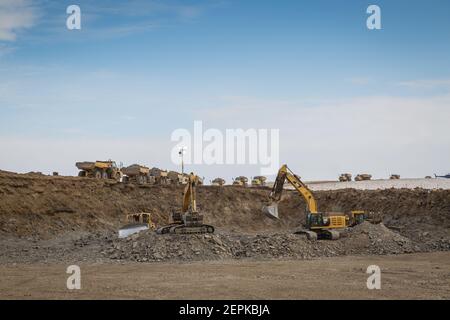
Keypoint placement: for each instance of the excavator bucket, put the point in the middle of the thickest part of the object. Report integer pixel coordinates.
(130, 229)
(271, 210)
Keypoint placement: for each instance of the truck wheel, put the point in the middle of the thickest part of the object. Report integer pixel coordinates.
(97, 174)
(82, 173)
(105, 175)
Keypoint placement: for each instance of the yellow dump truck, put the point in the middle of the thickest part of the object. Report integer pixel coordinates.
(175, 177)
(137, 174)
(99, 170)
(240, 181)
(218, 182)
(363, 176)
(259, 181)
(159, 175)
(345, 177)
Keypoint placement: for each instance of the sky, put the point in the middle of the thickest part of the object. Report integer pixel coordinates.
(345, 98)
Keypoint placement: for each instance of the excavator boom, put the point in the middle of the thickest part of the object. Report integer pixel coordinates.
(189, 202)
(284, 174)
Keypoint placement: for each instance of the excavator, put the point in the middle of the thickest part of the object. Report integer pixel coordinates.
(189, 220)
(319, 225)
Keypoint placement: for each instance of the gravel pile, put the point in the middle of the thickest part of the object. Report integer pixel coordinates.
(378, 239)
(363, 239)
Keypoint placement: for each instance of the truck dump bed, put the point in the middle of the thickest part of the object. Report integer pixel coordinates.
(85, 165)
(158, 172)
(135, 170)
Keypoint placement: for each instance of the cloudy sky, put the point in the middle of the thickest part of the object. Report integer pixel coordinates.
(346, 99)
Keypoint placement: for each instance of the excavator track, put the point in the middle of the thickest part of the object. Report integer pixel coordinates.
(183, 229)
(319, 234)
(310, 235)
(329, 235)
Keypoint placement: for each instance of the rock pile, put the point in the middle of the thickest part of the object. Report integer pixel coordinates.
(363, 239)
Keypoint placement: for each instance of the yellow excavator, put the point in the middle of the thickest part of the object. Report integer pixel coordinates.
(319, 225)
(189, 220)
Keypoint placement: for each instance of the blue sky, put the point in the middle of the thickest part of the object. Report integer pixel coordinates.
(138, 70)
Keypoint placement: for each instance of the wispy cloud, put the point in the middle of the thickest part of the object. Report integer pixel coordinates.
(359, 81)
(426, 84)
(5, 49)
(114, 19)
(15, 15)
(142, 8)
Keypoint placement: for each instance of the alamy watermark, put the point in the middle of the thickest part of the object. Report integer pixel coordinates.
(231, 147)
(73, 21)
(374, 280)
(374, 20)
(74, 280)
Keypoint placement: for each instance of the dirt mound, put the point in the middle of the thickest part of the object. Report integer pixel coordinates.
(364, 239)
(378, 239)
(46, 207)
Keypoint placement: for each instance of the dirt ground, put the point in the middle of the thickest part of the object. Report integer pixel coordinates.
(406, 276)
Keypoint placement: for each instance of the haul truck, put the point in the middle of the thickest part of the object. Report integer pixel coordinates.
(99, 170)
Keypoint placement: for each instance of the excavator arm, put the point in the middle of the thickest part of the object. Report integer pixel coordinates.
(275, 195)
(319, 225)
(189, 196)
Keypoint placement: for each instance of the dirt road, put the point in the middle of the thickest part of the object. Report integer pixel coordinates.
(413, 276)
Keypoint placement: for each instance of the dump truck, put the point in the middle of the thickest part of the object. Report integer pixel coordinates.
(356, 217)
(218, 182)
(182, 178)
(394, 177)
(137, 174)
(99, 170)
(160, 176)
(345, 177)
(363, 176)
(175, 177)
(240, 181)
(259, 181)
